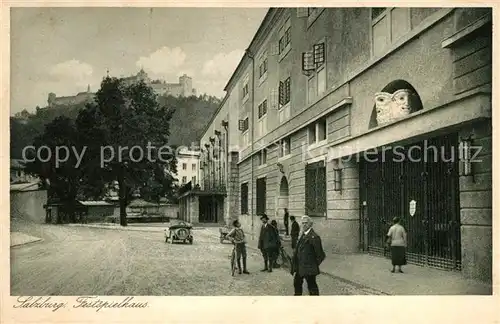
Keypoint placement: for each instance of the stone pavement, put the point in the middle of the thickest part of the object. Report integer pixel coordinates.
(131, 263)
(362, 269)
(18, 238)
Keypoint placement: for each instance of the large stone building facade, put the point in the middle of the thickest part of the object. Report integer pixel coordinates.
(356, 115)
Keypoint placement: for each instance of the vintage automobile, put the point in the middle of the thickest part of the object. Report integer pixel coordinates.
(180, 233)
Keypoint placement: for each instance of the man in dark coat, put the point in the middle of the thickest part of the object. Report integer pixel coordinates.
(294, 232)
(286, 217)
(268, 243)
(306, 259)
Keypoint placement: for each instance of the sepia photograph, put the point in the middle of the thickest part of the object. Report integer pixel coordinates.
(279, 151)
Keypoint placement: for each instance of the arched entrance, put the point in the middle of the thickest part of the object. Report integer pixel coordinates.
(282, 202)
(283, 194)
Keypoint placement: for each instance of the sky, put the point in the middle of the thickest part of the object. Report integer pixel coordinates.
(63, 50)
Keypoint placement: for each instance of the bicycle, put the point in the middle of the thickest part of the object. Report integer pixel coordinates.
(233, 260)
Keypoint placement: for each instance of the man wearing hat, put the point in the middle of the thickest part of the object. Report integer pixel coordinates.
(268, 243)
(306, 259)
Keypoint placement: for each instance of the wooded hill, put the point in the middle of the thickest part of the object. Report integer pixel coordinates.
(191, 116)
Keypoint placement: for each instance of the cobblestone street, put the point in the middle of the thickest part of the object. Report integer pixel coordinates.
(91, 261)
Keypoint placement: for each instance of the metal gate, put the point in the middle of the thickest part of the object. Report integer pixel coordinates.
(426, 172)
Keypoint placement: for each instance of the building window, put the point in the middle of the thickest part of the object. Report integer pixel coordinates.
(184, 179)
(284, 92)
(388, 25)
(284, 97)
(317, 132)
(262, 157)
(263, 108)
(193, 180)
(243, 127)
(260, 200)
(184, 166)
(263, 66)
(193, 167)
(262, 122)
(315, 185)
(285, 40)
(285, 147)
(312, 11)
(245, 89)
(244, 198)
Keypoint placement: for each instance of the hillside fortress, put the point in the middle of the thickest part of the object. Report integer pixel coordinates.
(182, 89)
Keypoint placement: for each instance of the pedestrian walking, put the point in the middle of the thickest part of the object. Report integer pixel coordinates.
(285, 220)
(307, 258)
(294, 232)
(268, 242)
(396, 239)
(237, 236)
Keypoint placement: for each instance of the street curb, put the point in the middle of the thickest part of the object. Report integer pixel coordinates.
(359, 286)
(26, 243)
(117, 228)
(126, 228)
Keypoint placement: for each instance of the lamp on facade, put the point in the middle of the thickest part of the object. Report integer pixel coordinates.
(217, 133)
(465, 157)
(225, 124)
(337, 175)
(280, 167)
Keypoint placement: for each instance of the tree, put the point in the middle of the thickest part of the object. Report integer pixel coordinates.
(124, 121)
(62, 177)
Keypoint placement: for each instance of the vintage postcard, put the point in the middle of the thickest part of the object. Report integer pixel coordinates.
(251, 152)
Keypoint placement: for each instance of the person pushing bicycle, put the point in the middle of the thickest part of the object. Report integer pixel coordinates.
(237, 237)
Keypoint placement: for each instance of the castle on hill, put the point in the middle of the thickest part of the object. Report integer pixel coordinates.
(182, 89)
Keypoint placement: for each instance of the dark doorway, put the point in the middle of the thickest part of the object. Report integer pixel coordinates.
(210, 209)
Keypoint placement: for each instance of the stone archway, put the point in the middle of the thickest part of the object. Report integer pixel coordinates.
(282, 197)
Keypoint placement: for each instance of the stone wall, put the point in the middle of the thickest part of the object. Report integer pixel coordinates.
(28, 205)
(476, 206)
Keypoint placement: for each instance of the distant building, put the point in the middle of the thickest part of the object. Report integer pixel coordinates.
(81, 97)
(188, 166)
(182, 89)
(18, 174)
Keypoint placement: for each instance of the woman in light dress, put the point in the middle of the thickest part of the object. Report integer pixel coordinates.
(396, 238)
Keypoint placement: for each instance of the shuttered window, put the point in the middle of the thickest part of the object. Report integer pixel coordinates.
(261, 196)
(244, 198)
(315, 189)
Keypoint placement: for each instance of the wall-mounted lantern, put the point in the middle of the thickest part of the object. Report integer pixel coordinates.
(217, 133)
(465, 157)
(280, 167)
(225, 124)
(337, 175)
